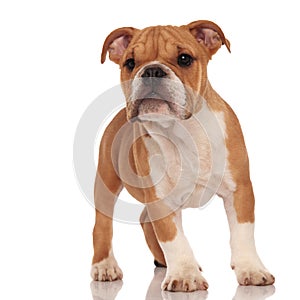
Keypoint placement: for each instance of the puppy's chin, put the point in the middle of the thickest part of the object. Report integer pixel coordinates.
(153, 106)
(155, 110)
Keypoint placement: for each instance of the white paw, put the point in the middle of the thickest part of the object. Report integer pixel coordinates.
(248, 274)
(185, 280)
(106, 270)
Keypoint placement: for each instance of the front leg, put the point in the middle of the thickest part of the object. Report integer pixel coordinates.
(108, 185)
(104, 265)
(245, 261)
(183, 272)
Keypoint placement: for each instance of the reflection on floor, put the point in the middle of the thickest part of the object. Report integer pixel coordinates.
(254, 292)
(109, 290)
(105, 290)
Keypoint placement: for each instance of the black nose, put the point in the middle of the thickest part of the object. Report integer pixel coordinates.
(154, 72)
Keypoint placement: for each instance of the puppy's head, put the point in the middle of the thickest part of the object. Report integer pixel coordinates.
(163, 68)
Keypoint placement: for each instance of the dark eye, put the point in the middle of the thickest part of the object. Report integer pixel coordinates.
(184, 60)
(130, 64)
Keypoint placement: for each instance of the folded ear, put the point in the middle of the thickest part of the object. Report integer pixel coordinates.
(209, 34)
(116, 43)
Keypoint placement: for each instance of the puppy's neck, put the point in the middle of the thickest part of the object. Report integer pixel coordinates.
(159, 126)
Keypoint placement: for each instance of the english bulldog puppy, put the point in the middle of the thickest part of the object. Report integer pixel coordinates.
(175, 145)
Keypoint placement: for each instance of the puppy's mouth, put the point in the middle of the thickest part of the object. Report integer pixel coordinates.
(154, 106)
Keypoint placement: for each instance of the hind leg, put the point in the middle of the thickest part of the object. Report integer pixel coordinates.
(151, 239)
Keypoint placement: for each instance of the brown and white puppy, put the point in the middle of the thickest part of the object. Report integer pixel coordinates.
(175, 145)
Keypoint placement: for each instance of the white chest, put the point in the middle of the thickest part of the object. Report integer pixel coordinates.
(188, 159)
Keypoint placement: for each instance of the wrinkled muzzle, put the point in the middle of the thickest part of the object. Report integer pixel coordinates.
(152, 95)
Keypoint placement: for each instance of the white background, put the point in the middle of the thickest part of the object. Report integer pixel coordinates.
(50, 72)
